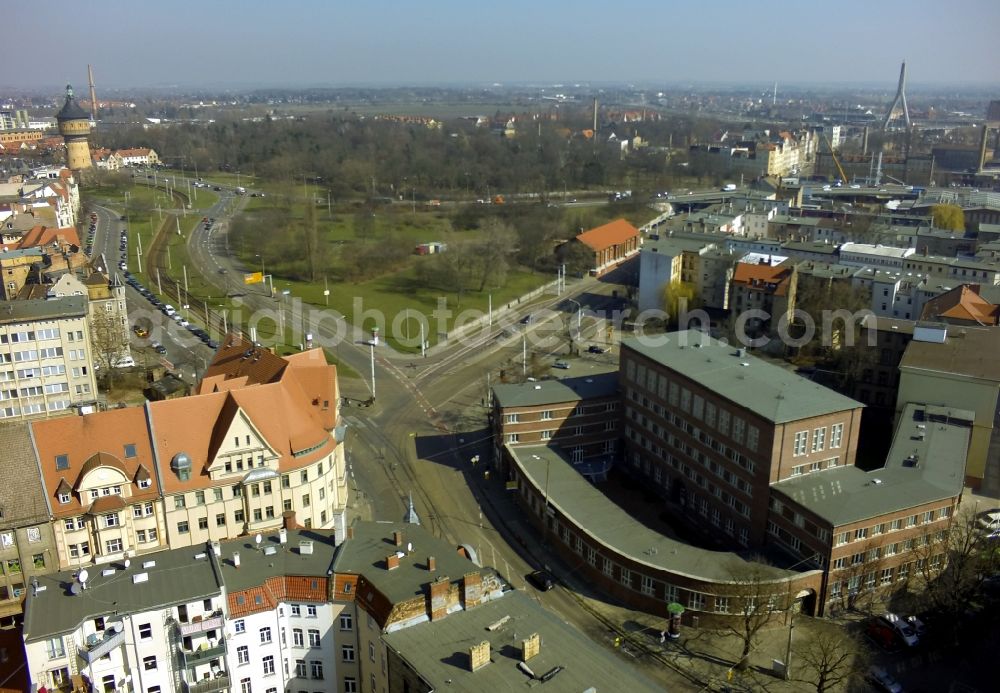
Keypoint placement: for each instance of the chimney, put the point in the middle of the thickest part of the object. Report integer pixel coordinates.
(431, 563)
(439, 597)
(472, 589)
(288, 520)
(350, 533)
(397, 538)
(236, 559)
(216, 548)
(479, 655)
(391, 561)
(530, 646)
(283, 535)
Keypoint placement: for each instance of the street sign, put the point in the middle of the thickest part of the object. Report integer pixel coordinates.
(253, 278)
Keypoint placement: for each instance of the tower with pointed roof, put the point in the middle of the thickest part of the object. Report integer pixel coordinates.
(74, 126)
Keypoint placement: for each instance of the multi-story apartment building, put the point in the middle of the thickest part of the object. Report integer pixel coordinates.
(763, 287)
(294, 610)
(46, 362)
(106, 312)
(256, 447)
(714, 427)
(27, 546)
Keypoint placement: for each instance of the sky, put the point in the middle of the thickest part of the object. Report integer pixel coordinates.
(295, 43)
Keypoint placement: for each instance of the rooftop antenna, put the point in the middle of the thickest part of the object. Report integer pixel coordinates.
(93, 94)
(411, 513)
(899, 101)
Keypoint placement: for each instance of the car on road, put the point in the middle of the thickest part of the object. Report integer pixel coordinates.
(988, 522)
(526, 320)
(882, 680)
(596, 349)
(140, 331)
(541, 579)
(158, 348)
(917, 625)
(561, 365)
(882, 634)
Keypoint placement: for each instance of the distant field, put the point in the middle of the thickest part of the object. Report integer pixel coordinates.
(441, 110)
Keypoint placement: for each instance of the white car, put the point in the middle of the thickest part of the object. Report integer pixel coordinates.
(989, 522)
(902, 628)
(168, 309)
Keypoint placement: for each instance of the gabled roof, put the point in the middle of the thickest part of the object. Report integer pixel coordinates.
(239, 357)
(962, 304)
(610, 234)
(88, 442)
(763, 277)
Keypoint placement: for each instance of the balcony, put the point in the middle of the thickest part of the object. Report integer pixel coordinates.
(98, 646)
(219, 683)
(204, 654)
(200, 624)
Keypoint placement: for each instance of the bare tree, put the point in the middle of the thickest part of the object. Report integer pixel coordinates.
(108, 343)
(759, 600)
(828, 657)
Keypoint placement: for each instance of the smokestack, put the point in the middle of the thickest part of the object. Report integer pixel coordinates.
(236, 559)
(93, 94)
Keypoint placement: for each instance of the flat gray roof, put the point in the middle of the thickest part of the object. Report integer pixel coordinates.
(590, 510)
(671, 245)
(571, 389)
(438, 651)
(926, 463)
(767, 390)
(966, 351)
(43, 309)
(287, 559)
(365, 554)
(176, 578)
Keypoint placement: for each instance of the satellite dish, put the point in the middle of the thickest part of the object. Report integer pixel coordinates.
(74, 589)
(258, 538)
(83, 576)
(128, 678)
(409, 547)
(127, 563)
(118, 626)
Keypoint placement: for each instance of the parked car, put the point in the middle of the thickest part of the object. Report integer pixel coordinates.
(596, 349)
(988, 523)
(882, 634)
(903, 629)
(917, 625)
(541, 579)
(883, 681)
(562, 365)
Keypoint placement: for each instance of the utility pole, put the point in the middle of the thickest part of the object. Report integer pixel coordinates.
(159, 286)
(372, 347)
(423, 344)
(491, 310)
(524, 355)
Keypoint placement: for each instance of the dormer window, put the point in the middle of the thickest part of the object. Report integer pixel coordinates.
(65, 498)
(145, 483)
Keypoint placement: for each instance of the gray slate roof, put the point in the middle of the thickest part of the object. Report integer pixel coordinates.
(42, 309)
(438, 650)
(767, 390)
(848, 494)
(21, 494)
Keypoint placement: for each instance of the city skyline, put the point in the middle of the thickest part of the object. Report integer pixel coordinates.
(333, 44)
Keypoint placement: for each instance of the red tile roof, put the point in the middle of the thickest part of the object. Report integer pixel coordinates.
(40, 236)
(763, 277)
(611, 234)
(962, 304)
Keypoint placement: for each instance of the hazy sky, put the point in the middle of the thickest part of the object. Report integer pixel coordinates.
(134, 43)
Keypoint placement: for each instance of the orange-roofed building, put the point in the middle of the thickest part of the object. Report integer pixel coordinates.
(256, 448)
(763, 287)
(962, 306)
(612, 244)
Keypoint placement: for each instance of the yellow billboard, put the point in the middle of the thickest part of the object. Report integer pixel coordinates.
(253, 278)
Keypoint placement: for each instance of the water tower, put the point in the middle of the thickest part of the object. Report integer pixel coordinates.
(74, 126)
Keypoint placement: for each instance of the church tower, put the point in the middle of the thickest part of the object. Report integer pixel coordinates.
(74, 126)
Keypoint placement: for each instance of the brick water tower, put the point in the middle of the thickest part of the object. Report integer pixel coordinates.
(74, 126)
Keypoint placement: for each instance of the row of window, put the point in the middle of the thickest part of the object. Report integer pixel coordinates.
(801, 444)
(579, 410)
(33, 372)
(878, 552)
(886, 576)
(862, 533)
(30, 336)
(34, 390)
(28, 409)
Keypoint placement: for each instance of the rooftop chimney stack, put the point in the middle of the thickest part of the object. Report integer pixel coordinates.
(397, 538)
(236, 559)
(283, 535)
(530, 646)
(349, 533)
(431, 563)
(392, 561)
(479, 655)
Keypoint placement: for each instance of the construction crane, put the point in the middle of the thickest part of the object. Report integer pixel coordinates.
(840, 169)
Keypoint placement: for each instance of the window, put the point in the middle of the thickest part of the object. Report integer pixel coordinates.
(696, 601)
(62, 462)
(199, 498)
(268, 662)
(183, 527)
(311, 611)
(145, 631)
(297, 639)
(313, 637)
(245, 686)
(243, 654)
(836, 434)
(317, 668)
(149, 663)
(113, 545)
(347, 653)
(300, 669)
(819, 439)
(179, 502)
(202, 523)
(220, 520)
(861, 533)
(350, 685)
(304, 476)
(346, 622)
(265, 635)
(801, 443)
(145, 483)
(239, 626)
(54, 648)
